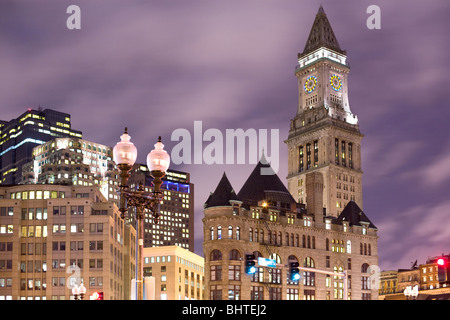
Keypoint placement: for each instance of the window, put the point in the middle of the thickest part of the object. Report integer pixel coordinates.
(216, 292)
(230, 232)
(234, 272)
(316, 153)
(257, 293)
(219, 232)
(216, 273)
(234, 255)
(350, 155)
(300, 159)
(308, 156)
(274, 293)
(234, 292)
(349, 246)
(343, 153)
(336, 150)
(216, 255)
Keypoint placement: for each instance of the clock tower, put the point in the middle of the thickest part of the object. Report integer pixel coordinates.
(324, 135)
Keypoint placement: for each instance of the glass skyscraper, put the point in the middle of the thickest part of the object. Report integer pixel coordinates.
(19, 136)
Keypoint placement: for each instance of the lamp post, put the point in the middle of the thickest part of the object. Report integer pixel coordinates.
(411, 292)
(78, 291)
(158, 160)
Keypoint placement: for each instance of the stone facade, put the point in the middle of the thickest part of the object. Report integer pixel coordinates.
(53, 236)
(317, 221)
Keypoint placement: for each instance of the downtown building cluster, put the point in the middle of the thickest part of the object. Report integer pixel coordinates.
(58, 211)
(59, 221)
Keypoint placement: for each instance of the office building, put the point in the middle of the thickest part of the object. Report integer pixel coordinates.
(19, 136)
(73, 161)
(176, 224)
(178, 273)
(52, 236)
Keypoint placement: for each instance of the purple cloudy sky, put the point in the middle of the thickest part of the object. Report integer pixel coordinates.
(156, 66)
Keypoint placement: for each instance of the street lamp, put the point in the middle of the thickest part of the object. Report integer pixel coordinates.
(158, 160)
(78, 291)
(411, 292)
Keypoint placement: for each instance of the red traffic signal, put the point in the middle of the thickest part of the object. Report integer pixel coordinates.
(442, 270)
(97, 296)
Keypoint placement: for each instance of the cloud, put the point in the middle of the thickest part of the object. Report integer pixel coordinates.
(417, 233)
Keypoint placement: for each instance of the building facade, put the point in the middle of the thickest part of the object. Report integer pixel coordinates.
(317, 221)
(324, 135)
(19, 136)
(73, 161)
(53, 236)
(264, 219)
(176, 224)
(425, 276)
(178, 273)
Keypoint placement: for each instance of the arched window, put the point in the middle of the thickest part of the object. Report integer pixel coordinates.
(309, 242)
(230, 232)
(287, 239)
(364, 268)
(234, 255)
(261, 238)
(292, 240)
(238, 233)
(308, 262)
(297, 240)
(313, 242)
(256, 235)
(309, 278)
(219, 232)
(212, 233)
(215, 255)
(327, 244)
(250, 234)
(369, 250)
(275, 257)
(279, 238)
(304, 241)
(349, 246)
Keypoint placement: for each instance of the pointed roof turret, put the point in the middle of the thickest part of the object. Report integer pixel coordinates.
(222, 195)
(264, 186)
(353, 213)
(321, 35)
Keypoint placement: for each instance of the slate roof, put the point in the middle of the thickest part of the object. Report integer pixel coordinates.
(264, 187)
(353, 213)
(222, 195)
(321, 35)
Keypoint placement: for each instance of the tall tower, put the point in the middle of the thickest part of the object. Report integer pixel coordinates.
(324, 135)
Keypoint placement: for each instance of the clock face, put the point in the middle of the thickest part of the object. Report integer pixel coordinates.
(310, 84)
(335, 82)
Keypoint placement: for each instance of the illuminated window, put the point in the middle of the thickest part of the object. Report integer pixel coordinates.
(300, 157)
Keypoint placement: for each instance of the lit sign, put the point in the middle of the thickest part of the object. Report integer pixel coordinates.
(264, 262)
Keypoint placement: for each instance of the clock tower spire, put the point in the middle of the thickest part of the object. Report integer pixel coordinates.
(324, 135)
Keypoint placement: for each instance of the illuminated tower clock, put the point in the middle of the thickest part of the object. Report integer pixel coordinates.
(324, 135)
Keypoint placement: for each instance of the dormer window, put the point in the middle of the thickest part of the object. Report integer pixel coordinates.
(328, 224)
(364, 230)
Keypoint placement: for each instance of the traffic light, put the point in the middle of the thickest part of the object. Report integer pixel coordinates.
(294, 272)
(250, 264)
(442, 269)
(97, 295)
